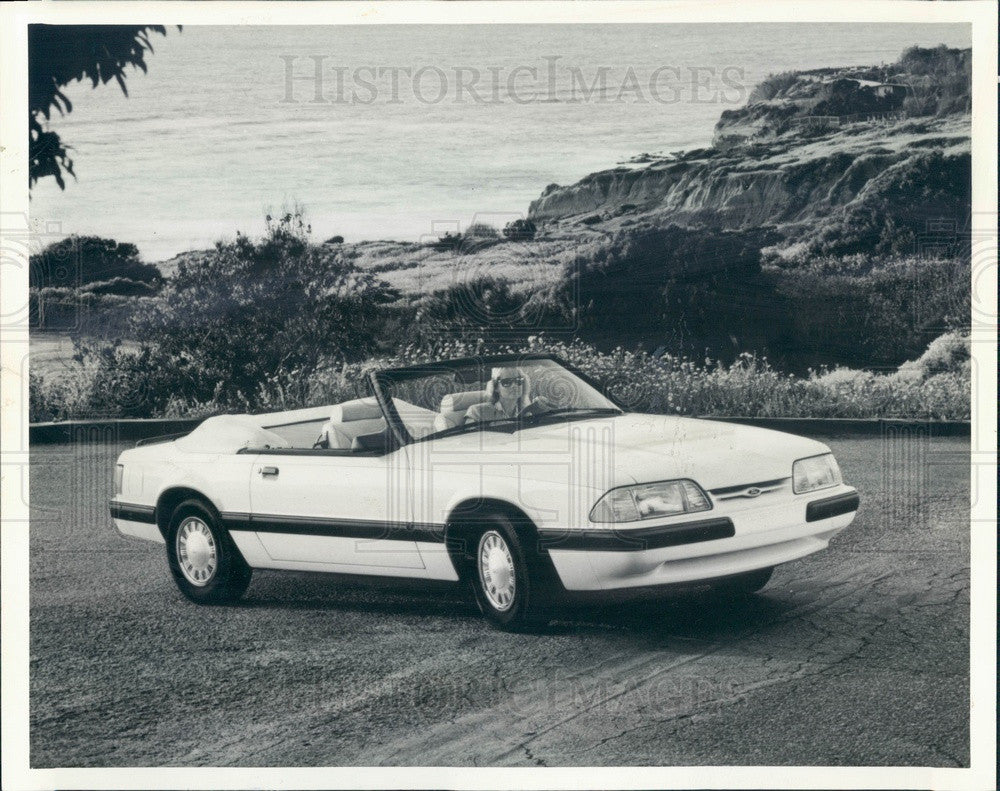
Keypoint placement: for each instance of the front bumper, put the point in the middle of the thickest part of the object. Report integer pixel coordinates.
(735, 539)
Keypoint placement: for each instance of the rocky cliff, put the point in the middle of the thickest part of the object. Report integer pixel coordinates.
(804, 145)
(781, 183)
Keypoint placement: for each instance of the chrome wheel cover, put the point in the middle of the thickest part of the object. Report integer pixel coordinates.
(197, 554)
(496, 570)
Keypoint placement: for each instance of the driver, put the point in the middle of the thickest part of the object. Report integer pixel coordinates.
(509, 393)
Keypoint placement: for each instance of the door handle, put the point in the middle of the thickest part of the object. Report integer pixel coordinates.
(268, 470)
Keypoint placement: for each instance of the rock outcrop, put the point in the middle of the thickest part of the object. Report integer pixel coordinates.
(804, 145)
(786, 182)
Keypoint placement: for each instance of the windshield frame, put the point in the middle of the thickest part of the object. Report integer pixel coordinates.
(384, 376)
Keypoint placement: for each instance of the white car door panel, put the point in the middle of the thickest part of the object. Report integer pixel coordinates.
(331, 509)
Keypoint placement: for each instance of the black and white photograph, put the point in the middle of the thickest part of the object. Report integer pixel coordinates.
(499, 394)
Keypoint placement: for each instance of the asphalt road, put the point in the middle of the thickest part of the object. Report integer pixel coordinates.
(855, 656)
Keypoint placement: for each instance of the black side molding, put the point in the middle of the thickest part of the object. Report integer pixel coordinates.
(132, 512)
(637, 539)
(334, 528)
(832, 506)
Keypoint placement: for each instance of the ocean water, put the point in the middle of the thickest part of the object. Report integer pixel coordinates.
(417, 129)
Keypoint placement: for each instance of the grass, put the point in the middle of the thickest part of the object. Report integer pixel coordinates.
(416, 270)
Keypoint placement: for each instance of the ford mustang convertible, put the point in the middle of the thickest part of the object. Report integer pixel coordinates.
(514, 476)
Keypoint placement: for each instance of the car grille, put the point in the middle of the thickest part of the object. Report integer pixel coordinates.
(751, 491)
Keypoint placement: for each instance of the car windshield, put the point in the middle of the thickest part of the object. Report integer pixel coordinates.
(490, 394)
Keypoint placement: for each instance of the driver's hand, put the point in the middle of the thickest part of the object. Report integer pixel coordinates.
(539, 406)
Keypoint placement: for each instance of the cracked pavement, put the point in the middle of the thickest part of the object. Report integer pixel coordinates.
(854, 656)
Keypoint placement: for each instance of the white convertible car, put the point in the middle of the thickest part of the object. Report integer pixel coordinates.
(513, 475)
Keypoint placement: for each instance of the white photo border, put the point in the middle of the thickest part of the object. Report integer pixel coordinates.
(14, 18)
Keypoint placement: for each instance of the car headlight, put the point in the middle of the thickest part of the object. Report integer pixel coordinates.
(119, 474)
(816, 472)
(649, 501)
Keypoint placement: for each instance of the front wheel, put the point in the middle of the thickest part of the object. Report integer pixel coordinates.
(505, 589)
(203, 559)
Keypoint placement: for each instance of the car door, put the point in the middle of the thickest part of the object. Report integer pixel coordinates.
(331, 510)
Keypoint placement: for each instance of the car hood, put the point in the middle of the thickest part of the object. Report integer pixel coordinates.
(635, 448)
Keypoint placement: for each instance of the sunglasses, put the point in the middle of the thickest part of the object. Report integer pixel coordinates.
(510, 381)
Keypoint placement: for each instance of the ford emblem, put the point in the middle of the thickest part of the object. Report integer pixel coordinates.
(753, 491)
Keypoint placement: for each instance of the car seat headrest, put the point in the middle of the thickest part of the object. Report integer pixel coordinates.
(358, 409)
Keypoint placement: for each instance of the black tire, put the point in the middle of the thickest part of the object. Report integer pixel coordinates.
(743, 585)
(199, 578)
(527, 607)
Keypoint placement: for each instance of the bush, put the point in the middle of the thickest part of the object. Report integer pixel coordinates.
(489, 307)
(78, 260)
(59, 397)
(939, 80)
(83, 284)
(848, 97)
(773, 86)
(85, 312)
(750, 386)
(864, 311)
(520, 230)
(949, 354)
(128, 381)
(450, 241)
(477, 236)
(897, 207)
(666, 384)
(246, 311)
(481, 230)
(689, 282)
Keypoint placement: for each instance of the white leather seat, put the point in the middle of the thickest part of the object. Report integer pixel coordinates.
(454, 406)
(348, 420)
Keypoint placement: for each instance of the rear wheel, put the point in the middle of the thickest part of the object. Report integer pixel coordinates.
(203, 559)
(506, 590)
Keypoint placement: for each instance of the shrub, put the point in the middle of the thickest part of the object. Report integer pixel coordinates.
(750, 386)
(487, 307)
(248, 310)
(865, 311)
(939, 80)
(773, 86)
(478, 236)
(57, 397)
(948, 354)
(450, 241)
(77, 260)
(666, 384)
(520, 230)
(481, 230)
(85, 312)
(689, 282)
(894, 212)
(128, 381)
